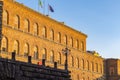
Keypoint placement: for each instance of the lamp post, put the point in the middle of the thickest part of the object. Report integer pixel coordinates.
(1, 10)
(66, 51)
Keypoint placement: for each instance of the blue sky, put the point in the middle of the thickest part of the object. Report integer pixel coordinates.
(99, 19)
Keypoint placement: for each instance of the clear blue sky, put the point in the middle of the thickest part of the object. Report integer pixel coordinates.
(99, 19)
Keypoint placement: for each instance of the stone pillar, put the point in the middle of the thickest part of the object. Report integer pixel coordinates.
(29, 59)
(13, 56)
(55, 65)
(43, 62)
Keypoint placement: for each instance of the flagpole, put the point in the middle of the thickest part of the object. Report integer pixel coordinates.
(48, 9)
(44, 7)
(38, 6)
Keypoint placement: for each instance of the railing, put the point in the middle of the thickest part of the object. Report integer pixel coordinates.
(18, 57)
(31, 70)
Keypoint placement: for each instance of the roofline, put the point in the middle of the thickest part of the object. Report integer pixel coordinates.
(112, 59)
(46, 16)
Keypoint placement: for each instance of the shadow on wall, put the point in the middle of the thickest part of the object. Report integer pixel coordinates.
(112, 69)
(113, 77)
(11, 69)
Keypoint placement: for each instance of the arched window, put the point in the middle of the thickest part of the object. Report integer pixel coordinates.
(4, 44)
(52, 34)
(65, 39)
(92, 64)
(44, 53)
(51, 56)
(59, 58)
(71, 41)
(87, 64)
(44, 32)
(36, 52)
(77, 62)
(77, 44)
(83, 64)
(16, 47)
(59, 37)
(16, 22)
(72, 61)
(96, 67)
(26, 49)
(111, 71)
(82, 46)
(35, 29)
(26, 25)
(5, 17)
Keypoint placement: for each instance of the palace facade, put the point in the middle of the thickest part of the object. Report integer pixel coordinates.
(29, 33)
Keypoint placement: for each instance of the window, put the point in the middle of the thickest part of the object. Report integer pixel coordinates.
(35, 29)
(16, 22)
(92, 64)
(44, 52)
(59, 58)
(87, 64)
(5, 17)
(72, 61)
(26, 25)
(65, 39)
(96, 67)
(44, 33)
(35, 52)
(26, 49)
(112, 71)
(71, 42)
(16, 47)
(4, 44)
(52, 34)
(83, 64)
(77, 44)
(59, 37)
(51, 56)
(82, 46)
(77, 62)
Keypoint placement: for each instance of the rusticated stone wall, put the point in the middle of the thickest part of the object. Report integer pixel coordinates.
(57, 36)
